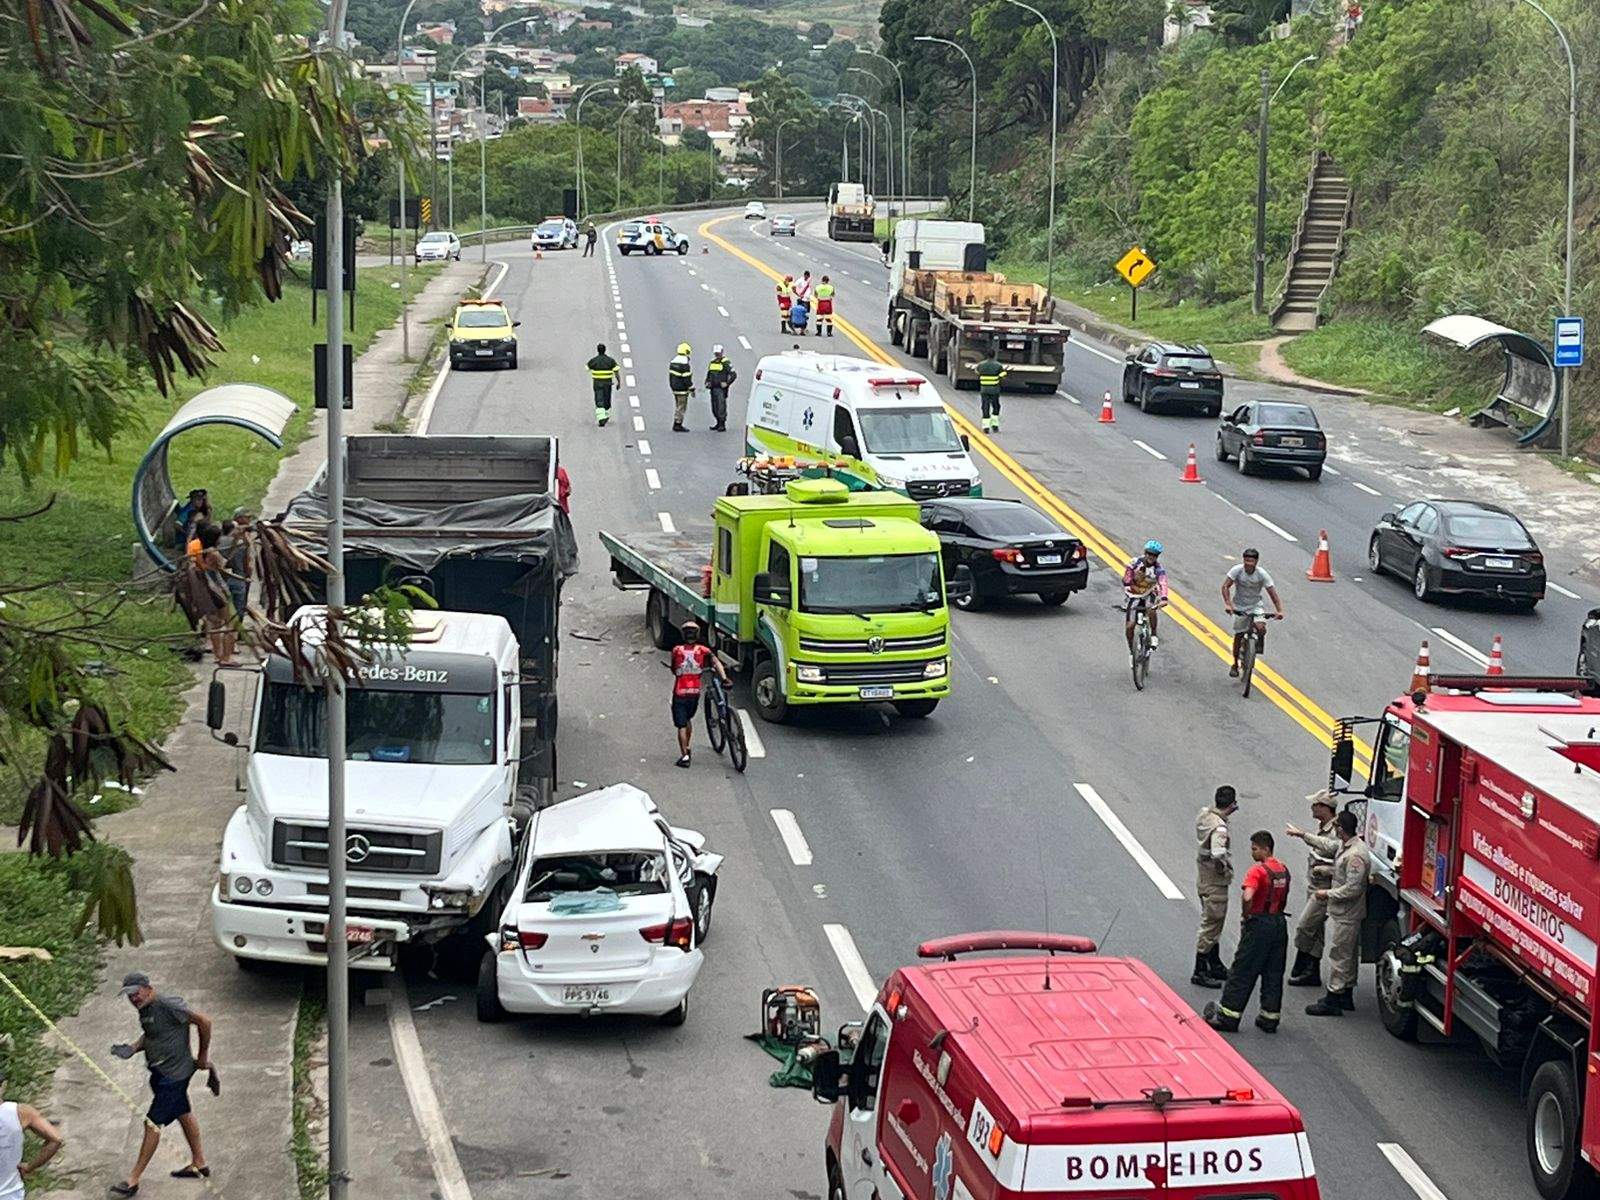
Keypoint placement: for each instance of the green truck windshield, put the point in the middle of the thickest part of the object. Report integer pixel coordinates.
(882, 583)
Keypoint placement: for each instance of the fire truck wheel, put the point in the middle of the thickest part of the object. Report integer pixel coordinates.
(1398, 1018)
(1552, 1125)
(835, 1183)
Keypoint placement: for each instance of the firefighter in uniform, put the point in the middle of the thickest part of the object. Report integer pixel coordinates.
(1324, 846)
(720, 376)
(1347, 905)
(1214, 872)
(603, 373)
(680, 378)
(785, 299)
(824, 294)
(1263, 944)
(990, 372)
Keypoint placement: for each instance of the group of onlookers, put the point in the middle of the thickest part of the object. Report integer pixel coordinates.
(218, 565)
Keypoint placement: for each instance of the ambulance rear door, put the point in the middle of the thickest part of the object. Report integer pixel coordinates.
(865, 1172)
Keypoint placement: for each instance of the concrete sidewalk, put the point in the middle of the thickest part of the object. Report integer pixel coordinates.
(174, 837)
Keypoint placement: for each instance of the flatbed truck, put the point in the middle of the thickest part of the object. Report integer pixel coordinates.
(852, 214)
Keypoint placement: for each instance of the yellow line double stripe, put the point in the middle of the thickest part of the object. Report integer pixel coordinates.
(1299, 707)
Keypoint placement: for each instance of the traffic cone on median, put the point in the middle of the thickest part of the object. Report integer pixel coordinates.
(1191, 468)
(1422, 673)
(1321, 563)
(705, 249)
(538, 254)
(1497, 662)
(1107, 417)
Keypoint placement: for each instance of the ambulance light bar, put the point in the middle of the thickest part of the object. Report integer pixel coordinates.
(1005, 939)
(883, 381)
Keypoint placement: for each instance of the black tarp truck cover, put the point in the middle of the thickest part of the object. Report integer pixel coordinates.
(472, 519)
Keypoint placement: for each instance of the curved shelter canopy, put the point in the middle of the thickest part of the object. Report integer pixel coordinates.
(262, 411)
(1529, 394)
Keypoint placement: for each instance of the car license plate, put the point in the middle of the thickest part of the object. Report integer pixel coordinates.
(1188, 384)
(1289, 441)
(358, 935)
(1501, 564)
(878, 691)
(483, 353)
(1049, 560)
(585, 993)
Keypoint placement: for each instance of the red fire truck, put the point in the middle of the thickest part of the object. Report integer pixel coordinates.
(1044, 1077)
(1483, 815)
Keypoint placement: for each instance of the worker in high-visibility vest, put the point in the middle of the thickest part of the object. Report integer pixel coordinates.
(604, 374)
(824, 295)
(680, 379)
(720, 376)
(785, 299)
(990, 372)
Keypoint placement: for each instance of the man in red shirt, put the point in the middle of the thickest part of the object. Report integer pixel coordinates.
(690, 660)
(1263, 946)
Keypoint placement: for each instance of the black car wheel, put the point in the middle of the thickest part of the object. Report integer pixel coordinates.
(1314, 473)
(1419, 582)
(1246, 467)
(1127, 391)
(1053, 599)
(683, 247)
(1222, 449)
(704, 896)
(1214, 411)
(490, 1010)
(1374, 556)
(1583, 667)
(970, 602)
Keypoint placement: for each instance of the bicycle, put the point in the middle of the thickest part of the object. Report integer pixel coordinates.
(723, 726)
(1252, 645)
(1139, 656)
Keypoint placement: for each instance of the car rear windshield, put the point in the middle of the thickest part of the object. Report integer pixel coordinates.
(1293, 415)
(552, 227)
(1189, 362)
(482, 318)
(1012, 521)
(626, 872)
(1492, 528)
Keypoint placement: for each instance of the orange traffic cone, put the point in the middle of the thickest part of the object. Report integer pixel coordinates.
(538, 254)
(1322, 565)
(1107, 417)
(1422, 674)
(1497, 661)
(1191, 468)
(705, 249)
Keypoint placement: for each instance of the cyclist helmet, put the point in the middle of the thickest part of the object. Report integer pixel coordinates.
(689, 626)
(683, 347)
(1153, 547)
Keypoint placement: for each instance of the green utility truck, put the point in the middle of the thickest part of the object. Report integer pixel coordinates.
(827, 596)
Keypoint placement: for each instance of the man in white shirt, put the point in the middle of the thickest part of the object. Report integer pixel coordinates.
(16, 1120)
(1242, 587)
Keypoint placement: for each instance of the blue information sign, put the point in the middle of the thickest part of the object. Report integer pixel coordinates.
(1569, 341)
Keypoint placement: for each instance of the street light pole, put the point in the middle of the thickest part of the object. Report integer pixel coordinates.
(778, 142)
(483, 136)
(400, 164)
(889, 145)
(972, 157)
(1259, 291)
(632, 104)
(905, 175)
(1055, 90)
(578, 120)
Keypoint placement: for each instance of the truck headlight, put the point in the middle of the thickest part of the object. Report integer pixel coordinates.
(890, 482)
(808, 672)
(936, 669)
(263, 887)
(242, 884)
(448, 898)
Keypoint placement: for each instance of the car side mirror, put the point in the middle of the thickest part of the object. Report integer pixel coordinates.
(516, 324)
(966, 443)
(849, 447)
(1389, 518)
(1342, 763)
(830, 1077)
(769, 590)
(956, 590)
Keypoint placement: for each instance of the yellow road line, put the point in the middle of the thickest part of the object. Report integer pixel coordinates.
(1299, 707)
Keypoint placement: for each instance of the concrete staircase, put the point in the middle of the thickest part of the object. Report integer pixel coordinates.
(1318, 245)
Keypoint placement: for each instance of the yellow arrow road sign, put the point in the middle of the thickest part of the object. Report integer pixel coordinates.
(1135, 266)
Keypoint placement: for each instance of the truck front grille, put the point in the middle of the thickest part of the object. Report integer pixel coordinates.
(891, 645)
(934, 489)
(875, 672)
(375, 851)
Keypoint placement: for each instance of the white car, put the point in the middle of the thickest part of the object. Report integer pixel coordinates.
(300, 251)
(607, 913)
(556, 233)
(755, 211)
(650, 236)
(439, 246)
(781, 227)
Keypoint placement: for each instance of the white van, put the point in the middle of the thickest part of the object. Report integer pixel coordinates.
(888, 423)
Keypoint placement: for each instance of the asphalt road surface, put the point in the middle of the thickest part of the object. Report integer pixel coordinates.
(1045, 791)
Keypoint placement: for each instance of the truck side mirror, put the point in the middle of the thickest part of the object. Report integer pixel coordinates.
(956, 590)
(769, 591)
(849, 447)
(1342, 764)
(216, 705)
(830, 1078)
(914, 259)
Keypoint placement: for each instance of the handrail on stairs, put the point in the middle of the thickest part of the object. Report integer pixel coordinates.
(1300, 234)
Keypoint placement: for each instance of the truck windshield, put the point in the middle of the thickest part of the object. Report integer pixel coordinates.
(908, 430)
(877, 583)
(444, 728)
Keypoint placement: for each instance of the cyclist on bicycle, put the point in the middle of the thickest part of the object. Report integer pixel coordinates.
(690, 660)
(1241, 597)
(1144, 581)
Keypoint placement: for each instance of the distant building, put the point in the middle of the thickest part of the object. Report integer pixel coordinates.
(709, 115)
(725, 94)
(1183, 18)
(685, 21)
(725, 142)
(440, 33)
(646, 65)
(537, 110)
(595, 24)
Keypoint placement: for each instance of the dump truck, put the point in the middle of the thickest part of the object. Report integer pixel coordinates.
(852, 214)
(946, 307)
(826, 596)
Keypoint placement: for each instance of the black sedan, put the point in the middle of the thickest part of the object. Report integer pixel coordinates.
(1005, 548)
(1589, 647)
(1270, 434)
(1459, 547)
(1168, 375)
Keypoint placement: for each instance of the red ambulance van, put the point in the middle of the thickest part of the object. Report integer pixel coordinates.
(985, 1077)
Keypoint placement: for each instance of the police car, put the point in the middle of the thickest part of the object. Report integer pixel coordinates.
(651, 236)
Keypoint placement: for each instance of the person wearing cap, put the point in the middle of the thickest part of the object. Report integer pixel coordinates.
(164, 1042)
(1241, 599)
(1213, 874)
(1346, 896)
(1308, 931)
(193, 511)
(603, 374)
(17, 1120)
(690, 660)
(680, 378)
(785, 299)
(720, 376)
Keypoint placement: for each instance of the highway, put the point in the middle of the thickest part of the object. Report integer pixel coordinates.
(1044, 792)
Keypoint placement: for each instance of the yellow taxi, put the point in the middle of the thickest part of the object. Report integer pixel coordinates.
(482, 332)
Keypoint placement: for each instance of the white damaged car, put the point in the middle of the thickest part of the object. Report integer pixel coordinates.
(607, 914)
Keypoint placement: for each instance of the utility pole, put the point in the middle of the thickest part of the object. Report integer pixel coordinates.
(1258, 293)
(1055, 93)
(400, 166)
(972, 154)
(433, 150)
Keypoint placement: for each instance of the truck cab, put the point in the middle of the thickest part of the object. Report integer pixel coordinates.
(920, 244)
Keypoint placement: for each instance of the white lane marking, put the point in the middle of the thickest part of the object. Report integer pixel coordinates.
(1073, 398)
(1331, 470)
(1465, 647)
(625, 348)
(622, 328)
(855, 969)
(1149, 449)
(644, 447)
(652, 479)
(752, 740)
(745, 342)
(638, 423)
(425, 1106)
(793, 840)
(705, 287)
(633, 401)
(1228, 502)
(1081, 344)
(666, 523)
(1266, 524)
(1130, 843)
(1361, 487)
(627, 362)
(722, 310)
(630, 381)
(1556, 587)
(1406, 1167)
(425, 412)
(691, 271)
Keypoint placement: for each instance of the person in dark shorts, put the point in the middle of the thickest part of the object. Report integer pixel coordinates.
(165, 1021)
(690, 659)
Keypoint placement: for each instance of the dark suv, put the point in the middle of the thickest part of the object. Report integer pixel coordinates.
(1168, 375)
